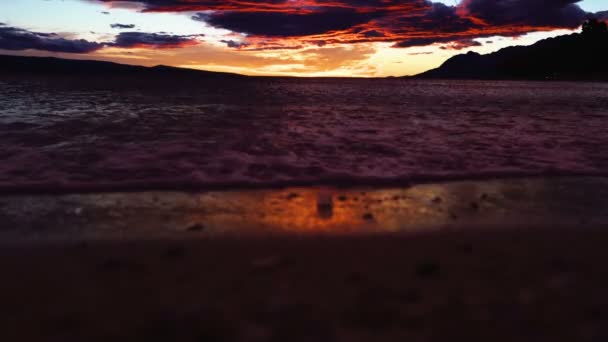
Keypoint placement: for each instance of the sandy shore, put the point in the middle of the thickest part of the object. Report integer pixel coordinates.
(432, 262)
(541, 285)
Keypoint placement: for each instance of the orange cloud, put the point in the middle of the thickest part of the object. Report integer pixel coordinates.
(289, 24)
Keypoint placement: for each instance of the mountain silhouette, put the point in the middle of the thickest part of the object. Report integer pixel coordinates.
(51, 66)
(578, 56)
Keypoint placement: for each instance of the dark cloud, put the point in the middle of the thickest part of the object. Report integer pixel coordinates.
(538, 13)
(402, 22)
(16, 39)
(280, 24)
(423, 41)
(373, 33)
(420, 53)
(461, 44)
(122, 26)
(234, 44)
(437, 17)
(257, 5)
(13, 38)
(601, 15)
(153, 40)
(486, 18)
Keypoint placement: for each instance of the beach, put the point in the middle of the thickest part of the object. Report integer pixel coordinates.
(542, 285)
(500, 260)
(277, 209)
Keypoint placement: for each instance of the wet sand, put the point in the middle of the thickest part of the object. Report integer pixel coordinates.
(541, 285)
(305, 211)
(507, 260)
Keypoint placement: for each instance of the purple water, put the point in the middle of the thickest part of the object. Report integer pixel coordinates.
(278, 131)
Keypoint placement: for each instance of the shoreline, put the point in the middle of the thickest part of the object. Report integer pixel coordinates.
(346, 182)
(318, 210)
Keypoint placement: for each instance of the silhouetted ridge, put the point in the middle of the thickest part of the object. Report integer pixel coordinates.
(581, 56)
(71, 67)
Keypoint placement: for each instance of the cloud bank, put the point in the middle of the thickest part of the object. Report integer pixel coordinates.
(18, 39)
(405, 23)
(122, 26)
(153, 40)
(297, 24)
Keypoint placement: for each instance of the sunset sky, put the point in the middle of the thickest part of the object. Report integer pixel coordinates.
(284, 37)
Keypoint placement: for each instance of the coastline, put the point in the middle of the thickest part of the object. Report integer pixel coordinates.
(302, 211)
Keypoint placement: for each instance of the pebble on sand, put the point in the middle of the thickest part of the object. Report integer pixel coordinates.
(175, 252)
(197, 227)
(427, 269)
(368, 216)
(112, 264)
(266, 263)
(467, 248)
(325, 206)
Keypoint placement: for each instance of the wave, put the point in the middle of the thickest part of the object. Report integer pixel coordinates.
(296, 133)
(192, 185)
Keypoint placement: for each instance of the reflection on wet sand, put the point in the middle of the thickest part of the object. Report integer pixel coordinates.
(567, 201)
(324, 210)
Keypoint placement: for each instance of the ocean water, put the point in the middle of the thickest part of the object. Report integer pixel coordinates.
(295, 131)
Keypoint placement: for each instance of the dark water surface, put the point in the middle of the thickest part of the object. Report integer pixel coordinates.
(277, 131)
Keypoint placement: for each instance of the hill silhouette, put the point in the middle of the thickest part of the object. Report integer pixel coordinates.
(578, 56)
(50, 66)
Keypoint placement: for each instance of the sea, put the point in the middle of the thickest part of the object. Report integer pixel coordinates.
(287, 131)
